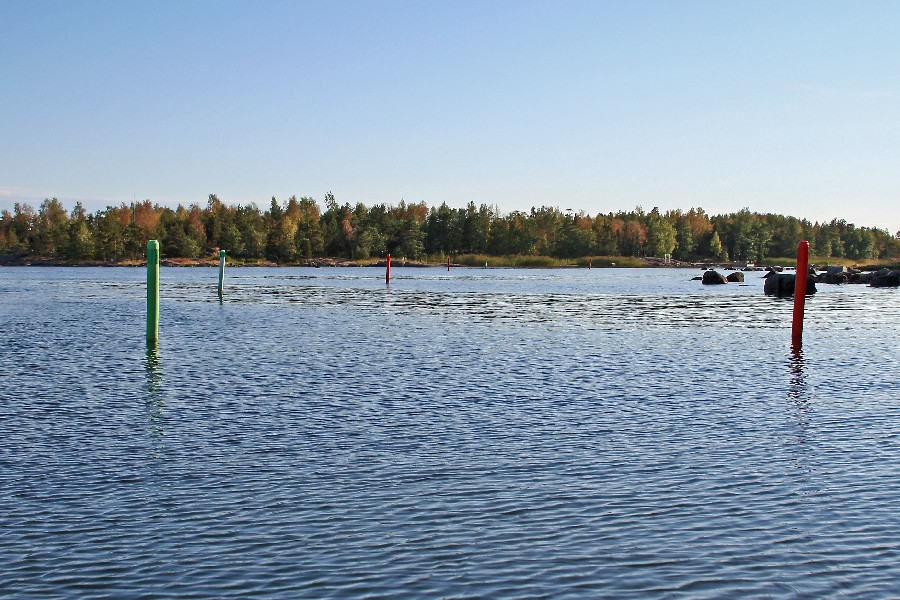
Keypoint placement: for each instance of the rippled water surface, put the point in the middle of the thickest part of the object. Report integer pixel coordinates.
(478, 433)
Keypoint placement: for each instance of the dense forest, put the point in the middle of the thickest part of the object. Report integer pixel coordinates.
(298, 230)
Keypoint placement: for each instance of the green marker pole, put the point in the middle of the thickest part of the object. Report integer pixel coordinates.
(152, 292)
(221, 272)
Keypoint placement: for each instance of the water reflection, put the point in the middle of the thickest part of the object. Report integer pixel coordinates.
(799, 397)
(154, 401)
(500, 457)
(798, 390)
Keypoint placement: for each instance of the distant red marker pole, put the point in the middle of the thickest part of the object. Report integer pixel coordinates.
(448, 263)
(590, 263)
(800, 293)
(387, 272)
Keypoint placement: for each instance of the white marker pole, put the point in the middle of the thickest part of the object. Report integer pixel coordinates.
(221, 272)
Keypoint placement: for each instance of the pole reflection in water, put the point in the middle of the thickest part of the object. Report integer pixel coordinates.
(798, 395)
(154, 401)
(797, 388)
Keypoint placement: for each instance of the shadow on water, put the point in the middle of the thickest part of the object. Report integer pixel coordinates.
(154, 401)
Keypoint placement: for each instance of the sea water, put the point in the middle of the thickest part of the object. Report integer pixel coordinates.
(473, 433)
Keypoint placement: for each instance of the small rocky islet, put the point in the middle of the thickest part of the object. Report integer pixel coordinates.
(782, 284)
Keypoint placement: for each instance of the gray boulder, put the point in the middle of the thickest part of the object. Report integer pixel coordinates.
(886, 278)
(863, 278)
(835, 275)
(782, 284)
(736, 277)
(713, 278)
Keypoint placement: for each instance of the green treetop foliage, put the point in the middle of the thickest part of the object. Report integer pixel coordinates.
(298, 230)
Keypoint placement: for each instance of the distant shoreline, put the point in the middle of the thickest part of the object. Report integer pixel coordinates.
(498, 262)
(326, 262)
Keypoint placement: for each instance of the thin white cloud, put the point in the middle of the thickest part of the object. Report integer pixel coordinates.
(14, 192)
(851, 93)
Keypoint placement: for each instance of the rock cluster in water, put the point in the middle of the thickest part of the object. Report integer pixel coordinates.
(842, 275)
(782, 284)
(715, 278)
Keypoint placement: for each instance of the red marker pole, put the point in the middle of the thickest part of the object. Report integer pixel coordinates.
(448, 263)
(800, 293)
(387, 272)
(590, 263)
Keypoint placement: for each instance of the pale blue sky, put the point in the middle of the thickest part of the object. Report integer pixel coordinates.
(787, 107)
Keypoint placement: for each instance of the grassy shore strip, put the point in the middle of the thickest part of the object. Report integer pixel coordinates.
(546, 262)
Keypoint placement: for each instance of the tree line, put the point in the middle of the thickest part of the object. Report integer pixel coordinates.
(298, 230)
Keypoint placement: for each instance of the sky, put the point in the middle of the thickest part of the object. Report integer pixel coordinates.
(784, 107)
